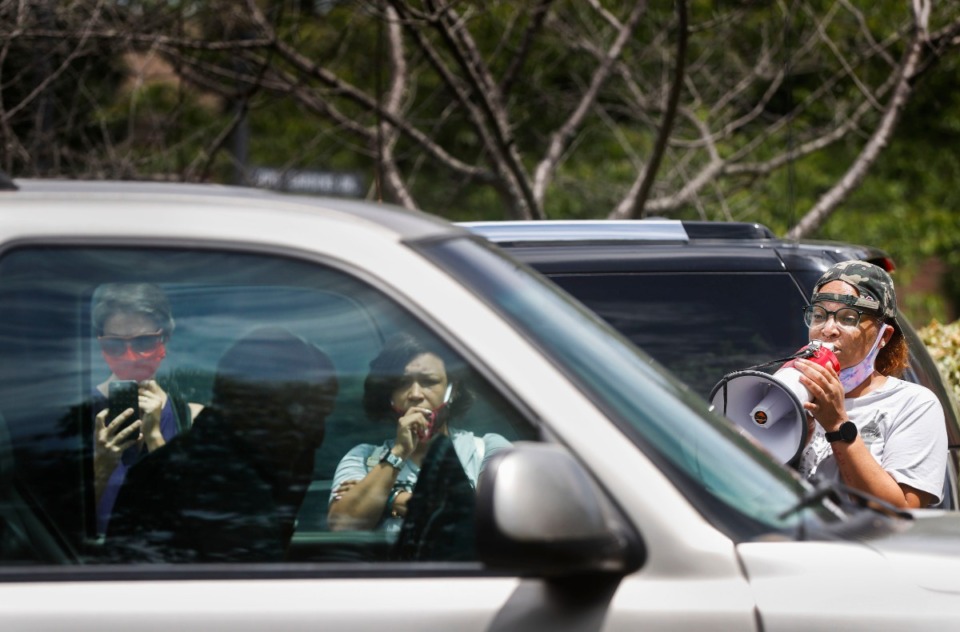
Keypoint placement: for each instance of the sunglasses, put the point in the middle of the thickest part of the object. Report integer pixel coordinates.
(140, 345)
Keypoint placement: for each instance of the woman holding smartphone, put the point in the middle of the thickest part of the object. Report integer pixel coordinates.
(409, 386)
(133, 323)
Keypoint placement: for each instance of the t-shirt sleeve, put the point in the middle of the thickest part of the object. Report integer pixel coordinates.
(916, 451)
(353, 466)
(493, 443)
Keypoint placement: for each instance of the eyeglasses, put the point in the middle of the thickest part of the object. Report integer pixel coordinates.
(816, 316)
(141, 345)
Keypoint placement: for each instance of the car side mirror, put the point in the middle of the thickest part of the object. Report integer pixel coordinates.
(540, 513)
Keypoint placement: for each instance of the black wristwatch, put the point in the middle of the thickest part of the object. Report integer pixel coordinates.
(846, 432)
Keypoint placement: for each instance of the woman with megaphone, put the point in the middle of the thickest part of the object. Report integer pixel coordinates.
(873, 431)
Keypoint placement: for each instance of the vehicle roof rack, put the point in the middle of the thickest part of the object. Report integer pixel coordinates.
(616, 230)
(579, 230)
(727, 230)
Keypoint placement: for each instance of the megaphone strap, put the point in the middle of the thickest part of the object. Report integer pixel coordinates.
(802, 354)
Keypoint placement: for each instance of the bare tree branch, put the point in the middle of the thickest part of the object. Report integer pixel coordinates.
(561, 138)
(518, 99)
(393, 180)
(830, 200)
(486, 104)
(538, 17)
(847, 67)
(636, 205)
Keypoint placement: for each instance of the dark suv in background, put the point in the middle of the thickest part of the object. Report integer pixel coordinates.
(703, 298)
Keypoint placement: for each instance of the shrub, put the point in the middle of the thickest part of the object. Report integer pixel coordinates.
(943, 342)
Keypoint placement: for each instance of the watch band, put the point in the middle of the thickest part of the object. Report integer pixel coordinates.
(847, 432)
(392, 459)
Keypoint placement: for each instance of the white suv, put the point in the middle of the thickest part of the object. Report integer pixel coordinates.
(623, 502)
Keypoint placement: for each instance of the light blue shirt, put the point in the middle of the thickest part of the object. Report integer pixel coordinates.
(472, 451)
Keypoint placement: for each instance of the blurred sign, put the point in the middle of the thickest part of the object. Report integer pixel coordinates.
(339, 183)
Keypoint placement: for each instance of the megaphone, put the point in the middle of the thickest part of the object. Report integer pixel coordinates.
(769, 408)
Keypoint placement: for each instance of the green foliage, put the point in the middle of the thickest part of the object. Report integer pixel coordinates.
(51, 131)
(943, 342)
(161, 129)
(830, 53)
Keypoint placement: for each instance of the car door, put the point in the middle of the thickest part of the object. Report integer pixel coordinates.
(63, 567)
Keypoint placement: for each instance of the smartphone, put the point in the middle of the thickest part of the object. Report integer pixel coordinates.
(124, 394)
(437, 416)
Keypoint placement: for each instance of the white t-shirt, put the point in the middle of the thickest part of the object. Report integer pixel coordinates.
(903, 426)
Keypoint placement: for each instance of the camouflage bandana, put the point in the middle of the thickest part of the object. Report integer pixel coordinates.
(872, 282)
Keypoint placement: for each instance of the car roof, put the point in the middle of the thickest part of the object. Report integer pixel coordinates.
(665, 245)
(34, 193)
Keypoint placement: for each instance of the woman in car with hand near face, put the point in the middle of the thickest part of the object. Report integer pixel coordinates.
(409, 386)
(133, 324)
(874, 432)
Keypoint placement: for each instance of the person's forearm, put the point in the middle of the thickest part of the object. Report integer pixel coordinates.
(362, 507)
(860, 470)
(155, 440)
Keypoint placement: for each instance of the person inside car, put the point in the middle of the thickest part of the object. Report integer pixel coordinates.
(133, 324)
(408, 386)
(230, 489)
(873, 432)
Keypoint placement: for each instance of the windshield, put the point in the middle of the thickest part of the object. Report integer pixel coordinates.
(734, 484)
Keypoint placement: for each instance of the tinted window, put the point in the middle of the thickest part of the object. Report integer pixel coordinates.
(735, 485)
(251, 444)
(700, 326)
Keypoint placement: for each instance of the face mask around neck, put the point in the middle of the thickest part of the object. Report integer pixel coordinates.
(856, 375)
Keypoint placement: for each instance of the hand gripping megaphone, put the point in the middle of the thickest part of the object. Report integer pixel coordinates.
(769, 408)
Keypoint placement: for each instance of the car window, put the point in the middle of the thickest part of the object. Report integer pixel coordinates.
(729, 479)
(243, 473)
(700, 326)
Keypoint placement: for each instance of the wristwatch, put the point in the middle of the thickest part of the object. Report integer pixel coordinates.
(847, 432)
(392, 459)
